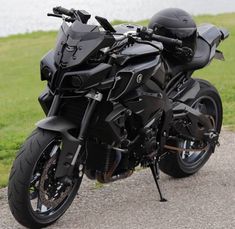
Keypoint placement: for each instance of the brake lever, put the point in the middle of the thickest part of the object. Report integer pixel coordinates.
(133, 40)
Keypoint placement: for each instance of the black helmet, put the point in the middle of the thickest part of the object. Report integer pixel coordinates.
(175, 23)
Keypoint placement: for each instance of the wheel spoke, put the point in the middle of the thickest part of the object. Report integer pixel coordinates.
(40, 207)
(47, 195)
(54, 150)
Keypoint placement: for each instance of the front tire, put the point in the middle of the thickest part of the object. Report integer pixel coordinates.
(176, 164)
(33, 194)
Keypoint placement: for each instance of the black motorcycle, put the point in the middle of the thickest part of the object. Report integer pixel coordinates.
(116, 98)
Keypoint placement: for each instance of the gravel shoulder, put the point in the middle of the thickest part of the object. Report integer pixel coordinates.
(205, 200)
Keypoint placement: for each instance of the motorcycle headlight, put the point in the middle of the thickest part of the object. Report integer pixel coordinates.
(76, 81)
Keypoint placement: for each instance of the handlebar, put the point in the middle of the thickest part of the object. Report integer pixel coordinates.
(147, 34)
(167, 40)
(80, 15)
(61, 10)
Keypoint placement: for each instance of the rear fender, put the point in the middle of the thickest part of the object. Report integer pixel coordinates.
(224, 32)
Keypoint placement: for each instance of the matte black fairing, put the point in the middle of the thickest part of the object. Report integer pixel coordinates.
(77, 43)
(137, 51)
(47, 66)
(145, 104)
(133, 76)
(86, 78)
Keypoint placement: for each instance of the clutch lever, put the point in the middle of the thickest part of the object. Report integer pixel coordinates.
(54, 15)
(61, 16)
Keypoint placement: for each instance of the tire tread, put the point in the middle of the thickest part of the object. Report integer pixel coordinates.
(23, 164)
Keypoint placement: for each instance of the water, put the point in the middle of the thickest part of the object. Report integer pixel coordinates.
(20, 16)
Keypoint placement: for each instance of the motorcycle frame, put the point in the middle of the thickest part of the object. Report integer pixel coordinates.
(168, 96)
(74, 145)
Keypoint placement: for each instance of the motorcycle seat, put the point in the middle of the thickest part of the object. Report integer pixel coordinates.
(199, 60)
(201, 56)
(208, 39)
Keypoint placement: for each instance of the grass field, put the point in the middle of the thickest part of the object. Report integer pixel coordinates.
(20, 84)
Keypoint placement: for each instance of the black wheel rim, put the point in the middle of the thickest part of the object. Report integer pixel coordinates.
(37, 203)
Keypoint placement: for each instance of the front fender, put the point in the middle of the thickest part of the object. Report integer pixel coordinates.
(56, 123)
(70, 143)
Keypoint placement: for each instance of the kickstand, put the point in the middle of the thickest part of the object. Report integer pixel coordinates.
(155, 172)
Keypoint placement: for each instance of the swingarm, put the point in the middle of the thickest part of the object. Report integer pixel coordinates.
(188, 121)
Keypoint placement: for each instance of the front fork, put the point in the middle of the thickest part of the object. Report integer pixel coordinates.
(94, 98)
(72, 146)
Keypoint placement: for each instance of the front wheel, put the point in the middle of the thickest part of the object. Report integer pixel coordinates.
(186, 163)
(36, 198)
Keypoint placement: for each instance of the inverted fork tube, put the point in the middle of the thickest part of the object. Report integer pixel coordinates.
(86, 119)
(84, 125)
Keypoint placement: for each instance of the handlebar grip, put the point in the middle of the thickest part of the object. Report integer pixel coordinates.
(61, 10)
(167, 40)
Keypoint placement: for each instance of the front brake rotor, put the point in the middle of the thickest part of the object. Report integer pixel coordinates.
(51, 191)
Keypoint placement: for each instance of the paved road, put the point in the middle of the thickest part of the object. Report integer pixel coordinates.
(205, 200)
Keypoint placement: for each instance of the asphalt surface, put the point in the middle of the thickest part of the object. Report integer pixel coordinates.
(205, 200)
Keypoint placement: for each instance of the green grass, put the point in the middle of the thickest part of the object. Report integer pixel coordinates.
(20, 84)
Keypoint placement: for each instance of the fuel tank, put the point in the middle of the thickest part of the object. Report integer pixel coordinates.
(133, 76)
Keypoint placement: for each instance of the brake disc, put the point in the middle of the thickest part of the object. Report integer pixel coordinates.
(49, 184)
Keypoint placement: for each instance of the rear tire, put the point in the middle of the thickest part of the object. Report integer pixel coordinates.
(19, 189)
(172, 163)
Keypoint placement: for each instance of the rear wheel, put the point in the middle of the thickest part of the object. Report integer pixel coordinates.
(36, 198)
(187, 163)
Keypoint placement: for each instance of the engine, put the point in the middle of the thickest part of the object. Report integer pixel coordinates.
(117, 144)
